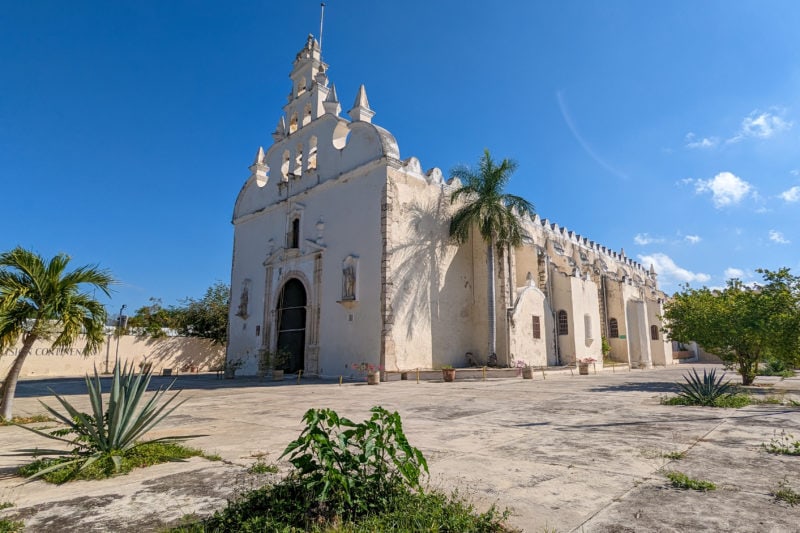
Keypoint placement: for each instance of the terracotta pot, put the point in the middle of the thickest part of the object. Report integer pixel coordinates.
(277, 375)
(527, 372)
(583, 369)
(373, 378)
(449, 374)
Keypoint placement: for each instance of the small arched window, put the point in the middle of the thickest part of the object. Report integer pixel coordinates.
(563, 325)
(654, 332)
(613, 328)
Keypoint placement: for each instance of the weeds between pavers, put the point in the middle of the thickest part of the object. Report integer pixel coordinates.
(785, 493)
(682, 481)
(17, 420)
(351, 477)
(783, 444)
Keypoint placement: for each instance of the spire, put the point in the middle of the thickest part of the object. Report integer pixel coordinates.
(259, 170)
(652, 271)
(280, 130)
(331, 103)
(361, 111)
(259, 156)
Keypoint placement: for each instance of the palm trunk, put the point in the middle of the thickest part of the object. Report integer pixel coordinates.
(491, 299)
(10, 385)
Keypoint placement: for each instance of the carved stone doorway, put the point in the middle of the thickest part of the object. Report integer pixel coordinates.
(291, 326)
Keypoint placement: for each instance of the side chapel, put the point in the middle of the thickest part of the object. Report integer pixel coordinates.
(341, 255)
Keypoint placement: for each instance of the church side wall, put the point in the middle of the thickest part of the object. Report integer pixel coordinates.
(433, 302)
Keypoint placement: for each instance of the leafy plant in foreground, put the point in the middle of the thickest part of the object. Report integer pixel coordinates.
(110, 432)
(703, 391)
(353, 468)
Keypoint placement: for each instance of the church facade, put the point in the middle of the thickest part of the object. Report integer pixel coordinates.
(342, 256)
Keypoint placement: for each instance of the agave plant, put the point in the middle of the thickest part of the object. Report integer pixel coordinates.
(705, 390)
(114, 430)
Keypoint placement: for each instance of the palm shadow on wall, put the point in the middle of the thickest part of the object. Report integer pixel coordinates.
(417, 274)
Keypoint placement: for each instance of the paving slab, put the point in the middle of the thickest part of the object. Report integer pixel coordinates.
(565, 453)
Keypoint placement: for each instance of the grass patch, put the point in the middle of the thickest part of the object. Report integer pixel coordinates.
(785, 493)
(211, 456)
(5, 505)
(783, 444)
(141, 456)
(284, 507)
(682, 481)
(260, 467)
(24, 420)
(10, 526)
(674, 456)
(727, 401)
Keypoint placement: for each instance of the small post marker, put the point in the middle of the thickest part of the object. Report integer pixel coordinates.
(340, 381)
(594, 367)
(612, 367)
(484, 373)
(299, 375)
(417, 375)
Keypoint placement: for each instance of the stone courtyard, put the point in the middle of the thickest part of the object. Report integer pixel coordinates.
(565, 453)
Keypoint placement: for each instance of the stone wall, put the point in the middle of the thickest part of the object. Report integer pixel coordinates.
(178, 353)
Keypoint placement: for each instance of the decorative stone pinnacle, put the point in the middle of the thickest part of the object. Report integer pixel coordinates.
(361, 111)
(331, 103)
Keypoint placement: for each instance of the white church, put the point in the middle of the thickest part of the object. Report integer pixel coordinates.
(342, 256)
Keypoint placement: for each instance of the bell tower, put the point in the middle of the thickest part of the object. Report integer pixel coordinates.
(309, 88)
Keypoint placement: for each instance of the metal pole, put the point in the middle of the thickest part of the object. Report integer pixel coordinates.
(321, 19)
(119, 333)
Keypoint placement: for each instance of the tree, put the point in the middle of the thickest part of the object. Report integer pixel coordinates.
(151, 319)
(41, 300)
(741, 324)
(207, 317)
(495, 214)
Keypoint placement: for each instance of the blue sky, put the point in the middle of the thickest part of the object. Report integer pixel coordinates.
(670, 130)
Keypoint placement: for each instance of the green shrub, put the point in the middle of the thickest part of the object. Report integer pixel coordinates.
(776, 367)
(350, 478)
(10, 526)
(108, 434)
(682, 481)
(351, 468)
(731, 401)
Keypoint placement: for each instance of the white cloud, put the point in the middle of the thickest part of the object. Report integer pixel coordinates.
(777, 237)
(693, 239)
(726, 189)
(792, 194)
(761, 125)
(644, 239)
(734, 273)
(668, 271)
(706, 142)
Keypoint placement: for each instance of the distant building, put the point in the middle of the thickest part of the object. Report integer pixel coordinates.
(341, 255)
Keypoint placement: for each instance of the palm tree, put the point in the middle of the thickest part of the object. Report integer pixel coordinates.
(40, 300)
(497, 216)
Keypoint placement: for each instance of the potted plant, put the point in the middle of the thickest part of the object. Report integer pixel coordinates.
(275, 361)
(230, 366)
(370, 371)
(527, 371)
(448, 373)
(583, 365)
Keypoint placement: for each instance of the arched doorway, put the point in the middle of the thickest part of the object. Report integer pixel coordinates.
(291, 315)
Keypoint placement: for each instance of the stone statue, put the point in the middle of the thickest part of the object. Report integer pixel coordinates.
(349, 282)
